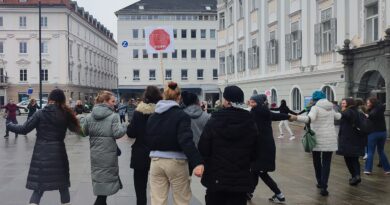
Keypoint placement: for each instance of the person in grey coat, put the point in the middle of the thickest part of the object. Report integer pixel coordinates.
(198, 117)
(103, 127)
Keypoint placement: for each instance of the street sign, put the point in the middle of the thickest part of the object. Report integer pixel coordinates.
(159, 39)
(125, 44)
(30, 91)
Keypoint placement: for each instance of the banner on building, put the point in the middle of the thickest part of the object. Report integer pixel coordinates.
(159, 39)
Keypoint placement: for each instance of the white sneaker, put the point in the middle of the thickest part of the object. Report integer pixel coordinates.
(292, 138)
(281, 137)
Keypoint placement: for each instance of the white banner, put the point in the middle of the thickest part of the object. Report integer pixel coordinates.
(159, 39)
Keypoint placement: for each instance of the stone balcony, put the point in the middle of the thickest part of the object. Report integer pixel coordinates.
(3, 80)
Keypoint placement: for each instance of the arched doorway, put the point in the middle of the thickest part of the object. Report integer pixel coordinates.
(372, 84)
(274, 97)
(296, 99)
(329, 93)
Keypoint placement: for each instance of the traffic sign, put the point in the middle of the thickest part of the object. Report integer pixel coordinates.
(159, 39)
(30, 91)
(125, 44)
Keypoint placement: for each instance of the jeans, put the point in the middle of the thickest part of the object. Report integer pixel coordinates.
(377, 139)
(9, 121)
(225, 198)
(37, 195)
(321, 161)
(353, 165)
(140, 185)
(267, 180)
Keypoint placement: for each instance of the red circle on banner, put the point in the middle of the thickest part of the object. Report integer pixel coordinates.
(159, 39)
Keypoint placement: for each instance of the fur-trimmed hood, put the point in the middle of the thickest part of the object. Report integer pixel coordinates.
(145, 108)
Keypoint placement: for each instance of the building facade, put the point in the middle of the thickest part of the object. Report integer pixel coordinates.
(79, 55)
(289, 48)
(193, 64)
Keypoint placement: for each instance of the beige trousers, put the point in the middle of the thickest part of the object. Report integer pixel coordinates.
(169, 173)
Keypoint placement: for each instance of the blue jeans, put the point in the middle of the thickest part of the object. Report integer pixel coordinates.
(377, 139)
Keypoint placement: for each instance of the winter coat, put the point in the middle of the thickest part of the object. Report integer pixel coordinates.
(228, 146)
(139, 151)
(122, 109)
(103, 127)
(169, 129)
(199, 119)
(284, 110)
(32, 109)
(376, 118)
(322, 118)
(79, 109)
(350, 142)
(49, 167)
(266, 150)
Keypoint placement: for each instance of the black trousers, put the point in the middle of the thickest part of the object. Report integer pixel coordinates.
(8, 121)
(321, 162)
(122, 118)
(140, 185)
(101, 200)
(353, 165)
(37, 195)
(267, 180)
(225, 198)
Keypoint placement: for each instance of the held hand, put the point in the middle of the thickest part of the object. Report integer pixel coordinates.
(292, 118)
(198, 171)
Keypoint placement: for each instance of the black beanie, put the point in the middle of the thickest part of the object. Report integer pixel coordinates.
(189, 98)
(233, 94)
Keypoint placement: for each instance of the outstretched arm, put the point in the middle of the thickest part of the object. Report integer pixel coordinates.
(27, 127)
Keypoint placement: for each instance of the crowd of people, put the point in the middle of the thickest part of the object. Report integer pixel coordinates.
(230, 149)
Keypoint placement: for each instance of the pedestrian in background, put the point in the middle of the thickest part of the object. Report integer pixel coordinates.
(170, 139)
(103, 127)
(79, 108)
(266, 149)
(321, 119)
(198, 116)
(377, 136)
(228, 146)
(130, 109)
(49, 167)
(283, 108)
(122, 108)
(32, 108)
(351, 142)
(10, 110)
(140, 160)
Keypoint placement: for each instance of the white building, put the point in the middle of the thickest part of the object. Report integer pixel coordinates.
(78, 52)
(289, 47)
(193, 64)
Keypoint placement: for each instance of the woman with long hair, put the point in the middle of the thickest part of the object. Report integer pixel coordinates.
(49, 168)
(173, 152)
(140, 160)
(103, 127)
(377, 136)
(32, 108)
(284, 109)
(351, 142)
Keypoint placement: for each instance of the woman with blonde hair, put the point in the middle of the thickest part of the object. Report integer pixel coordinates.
(32, 108)
(170, 139)
(103, 127)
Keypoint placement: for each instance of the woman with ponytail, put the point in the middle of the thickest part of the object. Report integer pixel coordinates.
(49, 168)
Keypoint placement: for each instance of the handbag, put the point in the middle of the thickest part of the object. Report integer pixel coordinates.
(309, 140)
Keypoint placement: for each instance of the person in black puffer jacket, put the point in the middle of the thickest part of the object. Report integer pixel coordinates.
(49, 168)
(170, 139)
(228, 146)
(140, 160)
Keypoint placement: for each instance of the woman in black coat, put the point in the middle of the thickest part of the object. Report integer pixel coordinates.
(140, 160)
(266, 150)
(49, 168)
(351, 142)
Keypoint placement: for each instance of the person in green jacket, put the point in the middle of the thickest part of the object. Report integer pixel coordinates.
(103, 127)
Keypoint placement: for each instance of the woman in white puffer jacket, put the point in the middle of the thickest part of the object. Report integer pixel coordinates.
(321, 118)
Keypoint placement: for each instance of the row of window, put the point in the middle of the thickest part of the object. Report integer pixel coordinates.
(183, 33)
(23, 48)
(23, 75)
(174, 55)
(168, 74)
(23, 21)
(169, 17)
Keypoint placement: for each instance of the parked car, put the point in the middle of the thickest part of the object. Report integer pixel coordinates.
(24, 104)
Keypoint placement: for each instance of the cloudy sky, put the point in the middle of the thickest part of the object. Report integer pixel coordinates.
(104, 11)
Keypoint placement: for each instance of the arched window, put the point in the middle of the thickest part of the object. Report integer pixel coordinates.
(329, 93)
(274, 97)
(296, 99)
(255, 92)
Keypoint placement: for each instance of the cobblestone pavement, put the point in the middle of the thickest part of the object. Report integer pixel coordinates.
(295, 176)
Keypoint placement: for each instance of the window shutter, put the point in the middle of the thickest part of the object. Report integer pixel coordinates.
(299, 45)
(276, 52)
(250, 55)
(269, 53)
(243, 61)
(233, 67)
(257, 57)
(288, 47)
(239, 61)
(333, 30)
(317, 39)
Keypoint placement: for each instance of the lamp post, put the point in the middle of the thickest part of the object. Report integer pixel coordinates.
(40, 55)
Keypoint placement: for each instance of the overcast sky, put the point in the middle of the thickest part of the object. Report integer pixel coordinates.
(103, 11)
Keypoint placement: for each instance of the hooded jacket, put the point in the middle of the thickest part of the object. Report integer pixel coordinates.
(137, 128)
(169, 134)
(103, 127)
(199, 119)
(228, 146)
(322, 117)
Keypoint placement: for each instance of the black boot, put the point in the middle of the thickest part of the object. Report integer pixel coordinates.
(324, 192)
(355, 181)
(6, 136)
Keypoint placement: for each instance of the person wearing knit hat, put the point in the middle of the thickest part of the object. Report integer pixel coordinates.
(318, 95)
(227, 143)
